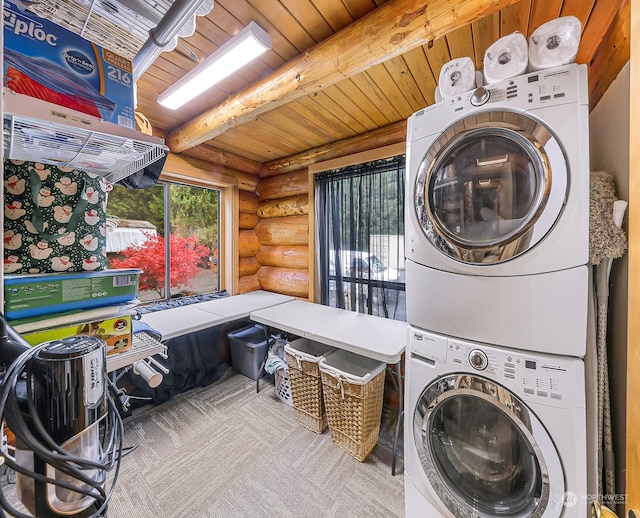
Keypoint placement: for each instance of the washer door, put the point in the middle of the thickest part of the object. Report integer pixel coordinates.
(490, 187)
(483, 451)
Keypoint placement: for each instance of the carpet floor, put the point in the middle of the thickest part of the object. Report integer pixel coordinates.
(226, 451)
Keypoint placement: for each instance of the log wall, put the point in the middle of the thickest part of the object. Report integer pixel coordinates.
(283, 233)
(248, 244)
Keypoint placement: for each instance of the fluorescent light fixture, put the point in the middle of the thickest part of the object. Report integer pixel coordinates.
(245, 46)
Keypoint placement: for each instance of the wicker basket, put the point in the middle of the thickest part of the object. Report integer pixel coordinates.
(353, 390)
(303, 357)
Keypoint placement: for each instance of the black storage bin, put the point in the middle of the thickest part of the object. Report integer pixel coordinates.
(249, 347)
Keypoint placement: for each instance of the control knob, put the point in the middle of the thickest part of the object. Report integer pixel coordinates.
(478, 359)
(480, 96)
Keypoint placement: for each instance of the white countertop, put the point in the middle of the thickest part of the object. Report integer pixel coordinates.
(241, 306)
(181, 320)
(379, 338)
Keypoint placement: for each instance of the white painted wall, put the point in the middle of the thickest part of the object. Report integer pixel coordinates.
(609, 151)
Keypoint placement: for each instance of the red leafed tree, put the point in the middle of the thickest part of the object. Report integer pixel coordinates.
(186, 255)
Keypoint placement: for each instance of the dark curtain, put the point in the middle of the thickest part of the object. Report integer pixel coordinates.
(360, 221)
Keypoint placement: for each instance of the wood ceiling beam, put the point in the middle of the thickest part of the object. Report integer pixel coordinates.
(224, 158)
(389, 31)
(391, 134)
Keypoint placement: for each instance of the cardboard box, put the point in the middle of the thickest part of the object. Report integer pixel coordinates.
(49, 62)
(116, 332)
(30, 295)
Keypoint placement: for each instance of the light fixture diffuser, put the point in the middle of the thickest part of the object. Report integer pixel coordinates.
(245, 46)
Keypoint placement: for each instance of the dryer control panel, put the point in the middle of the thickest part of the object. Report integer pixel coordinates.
(543, 378)
(550, 87)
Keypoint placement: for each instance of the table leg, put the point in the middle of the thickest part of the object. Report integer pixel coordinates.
(400, 416)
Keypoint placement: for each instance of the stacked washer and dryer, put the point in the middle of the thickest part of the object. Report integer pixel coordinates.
(498, 301)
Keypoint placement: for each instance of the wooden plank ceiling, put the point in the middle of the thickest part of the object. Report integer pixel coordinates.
(260, 116)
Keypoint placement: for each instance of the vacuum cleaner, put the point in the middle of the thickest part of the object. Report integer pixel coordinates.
(58, 402)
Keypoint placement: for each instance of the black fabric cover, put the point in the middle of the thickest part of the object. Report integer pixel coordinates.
(145, 178)
(194, 360)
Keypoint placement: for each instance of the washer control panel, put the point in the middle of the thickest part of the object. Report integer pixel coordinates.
(478, 359)
(545, 378)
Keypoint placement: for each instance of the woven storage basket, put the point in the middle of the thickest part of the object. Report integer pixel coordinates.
(353, 390)
(303, 357)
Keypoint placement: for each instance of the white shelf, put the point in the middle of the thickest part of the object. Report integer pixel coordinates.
(39, 131)
(142, 346)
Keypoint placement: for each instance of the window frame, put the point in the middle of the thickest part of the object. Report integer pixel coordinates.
(327, 165)
(179, 170)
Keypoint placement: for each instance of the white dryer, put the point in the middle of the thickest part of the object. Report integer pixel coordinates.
(493, 432)
(497, 213)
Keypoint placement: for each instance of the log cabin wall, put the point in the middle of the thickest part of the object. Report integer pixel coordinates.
(282, 234)
(248, 244)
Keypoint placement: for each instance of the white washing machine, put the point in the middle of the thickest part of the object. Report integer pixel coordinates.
(493, 432)
(497, 213)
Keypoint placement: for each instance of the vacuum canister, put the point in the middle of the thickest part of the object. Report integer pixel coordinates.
(65, 399)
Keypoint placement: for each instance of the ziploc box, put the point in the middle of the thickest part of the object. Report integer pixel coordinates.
(29, 295)
(49, 62)
(116, 333)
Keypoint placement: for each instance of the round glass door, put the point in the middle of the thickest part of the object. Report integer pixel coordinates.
(491, 187)
(481, 449)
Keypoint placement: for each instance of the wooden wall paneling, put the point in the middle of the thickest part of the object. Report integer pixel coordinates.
(283, 35)
(262, 135)
(391, 134)
(418, 67)
(381, 76)
(235, 142)
(333, 125)
(287, 281)
(612, 54)
(287, 120)
(291, 206)
(460, 43)
(357, 114)
(438, 55)
(399, 71)
(541, 12)
(581, 9)
(290, 230)
(385, 107)
(285, 22)
(308, 110)
(357, 97)
(486, 31)
(601, 17)
(336, 14)
(309, 17)
(633, 332)
(338, 116)
(314, 70)
(516, 18)
(283, 186)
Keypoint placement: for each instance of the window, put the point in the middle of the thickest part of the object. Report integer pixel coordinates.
(139, 221)
(360, 236)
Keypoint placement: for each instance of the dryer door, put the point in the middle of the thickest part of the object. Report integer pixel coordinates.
(490, 187)
(484, 452)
